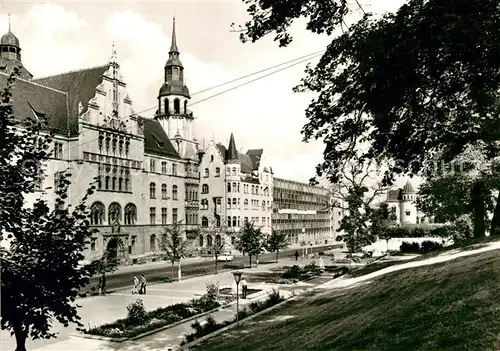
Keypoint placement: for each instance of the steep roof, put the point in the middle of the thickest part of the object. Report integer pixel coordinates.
(255, 155)
(7, 66)
(408, 188)
(156, 140)
(29, 99)
(394, 195)
(80, 85)
(232, 151)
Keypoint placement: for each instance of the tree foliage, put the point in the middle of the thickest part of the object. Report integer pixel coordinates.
(250, 240)
(276, 242)
(173, 245)
(415, 83)
(43, 247)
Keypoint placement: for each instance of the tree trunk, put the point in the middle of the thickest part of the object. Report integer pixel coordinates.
(216, 262)
(479, 209)
(20, 339)
(277, 252)
(250, 258)
(495, 222)
(173, 271)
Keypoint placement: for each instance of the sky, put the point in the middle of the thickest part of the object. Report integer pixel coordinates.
(57, 37)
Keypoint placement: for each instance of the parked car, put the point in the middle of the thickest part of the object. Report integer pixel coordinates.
(225, 257)
(263, 251)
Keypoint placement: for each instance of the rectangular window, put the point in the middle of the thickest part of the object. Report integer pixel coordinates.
(164, 215)
(174, 169)
(58, 150)
(174, 215)
(152, 166)
(164, 167)
(152, 215)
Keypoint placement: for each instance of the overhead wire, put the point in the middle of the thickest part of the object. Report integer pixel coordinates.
(291, 63)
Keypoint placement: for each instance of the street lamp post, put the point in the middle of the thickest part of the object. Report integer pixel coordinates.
(237, 278)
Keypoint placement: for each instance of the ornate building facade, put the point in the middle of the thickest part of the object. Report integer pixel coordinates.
(145, 168)
(234, 187)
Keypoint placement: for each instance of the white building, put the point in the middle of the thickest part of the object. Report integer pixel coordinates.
(234, 187)
(403, 202)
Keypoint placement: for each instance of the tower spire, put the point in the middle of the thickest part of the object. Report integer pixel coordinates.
(9, 21)
(173, 46)
(114, 58)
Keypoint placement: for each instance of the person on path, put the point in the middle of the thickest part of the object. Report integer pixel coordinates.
(296, 255)
(135, 289)
(143, 285)
(244, 288)
(103, 285)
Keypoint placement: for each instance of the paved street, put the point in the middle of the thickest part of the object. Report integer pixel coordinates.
(157, 271)
(98, 310)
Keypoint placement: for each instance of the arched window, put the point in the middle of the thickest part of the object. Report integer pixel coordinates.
(177, 106)
(164, 191)
(209, 240)
(234, 221)
(238, 187)
(234, 202)
(229, 221)
(120, 184)
(114, 213)
(204, 189)
(234, 187)
(217, 171)
(234, 171)
(246, 202)
(211, 158)
(228, 203)
(97, 213)
(204, 221)
(152, 242)
(263, 205)
(228, 187)
(185, 106)
(114, 183)
(152, 190)
(130, 214)
(201, 241)
(174, 192)
(166, 106)
(206, 173)
(174, 169)
(218, 240)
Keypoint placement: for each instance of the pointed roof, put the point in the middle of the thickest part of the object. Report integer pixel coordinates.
(173, 46)
(408, 188)
(232, 152)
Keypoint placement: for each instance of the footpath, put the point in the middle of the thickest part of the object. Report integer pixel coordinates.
(104, 309)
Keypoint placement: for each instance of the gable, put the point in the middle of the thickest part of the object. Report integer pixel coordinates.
(156, 141)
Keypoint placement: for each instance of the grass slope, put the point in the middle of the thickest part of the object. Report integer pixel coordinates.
(449, 306)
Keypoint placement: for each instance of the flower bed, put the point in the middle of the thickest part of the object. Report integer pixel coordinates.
(229, 291)
(139, 321)
(211, 325)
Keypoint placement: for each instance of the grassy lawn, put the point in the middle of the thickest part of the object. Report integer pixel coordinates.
(449, 306)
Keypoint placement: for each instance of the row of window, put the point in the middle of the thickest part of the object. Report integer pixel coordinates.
(98, 215)
(235, 221)
(164, 215)
(87, 156)
(235, 188)
(164, 167)
(164, 192)
(207, 172)
(117, 144)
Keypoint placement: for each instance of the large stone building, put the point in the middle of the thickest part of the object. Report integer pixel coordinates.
(234, 187)
(146, 168)
(304, 212)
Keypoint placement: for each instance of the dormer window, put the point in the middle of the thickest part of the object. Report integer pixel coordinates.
(157, 140)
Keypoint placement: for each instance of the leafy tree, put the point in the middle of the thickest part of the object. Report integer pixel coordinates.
(382, 219)
(250, 240)
(42, 247)
(355, 192)
(276, 242)
(173, 245)
(417, 82)
(218, 247)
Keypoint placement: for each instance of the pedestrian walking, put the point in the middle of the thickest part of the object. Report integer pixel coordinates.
(296, 255)
(143, 285)
(244, 288)
(135, 289)
(103, 285)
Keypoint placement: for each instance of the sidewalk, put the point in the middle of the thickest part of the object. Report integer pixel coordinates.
(171, 338)
(97, 310)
